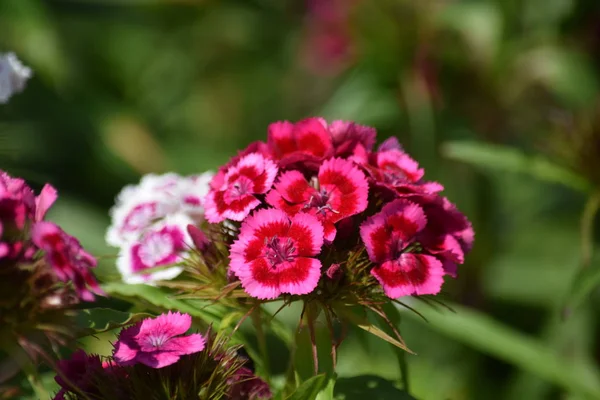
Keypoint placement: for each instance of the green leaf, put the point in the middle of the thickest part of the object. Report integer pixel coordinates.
(363, 323)
(368, 387)
(509, 159)
(96, 320)
(492, 337)
(310, 388)
(161, 298)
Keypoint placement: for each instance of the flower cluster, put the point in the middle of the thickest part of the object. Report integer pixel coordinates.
(13, 76)
(315, 193)
(149, 225)
(155, 359)
(41, 266)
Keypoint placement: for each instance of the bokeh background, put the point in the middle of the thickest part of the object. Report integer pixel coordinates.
(497, 99)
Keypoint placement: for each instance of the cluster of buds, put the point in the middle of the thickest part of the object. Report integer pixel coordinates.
(155, 359)
(43, 271)
(149, 225)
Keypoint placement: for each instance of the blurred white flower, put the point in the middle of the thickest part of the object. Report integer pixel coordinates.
(147, 223)
(13, 76)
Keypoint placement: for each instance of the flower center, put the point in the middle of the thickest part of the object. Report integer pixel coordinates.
(278, 251)
(157, 340)
(156, 248)
(320, 201)
(239, 188)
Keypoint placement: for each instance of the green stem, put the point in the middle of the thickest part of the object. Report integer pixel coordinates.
(10, 345)
(262, 340)
(587, 228)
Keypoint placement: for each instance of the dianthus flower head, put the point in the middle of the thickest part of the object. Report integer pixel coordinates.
(78, 372)
(233, 195)
(157, 342)
(347, 135)
(305, 143)
(154, 198)
(275, 253)
(67, 258)
(391, 240)
(163, 244)
(340, 191)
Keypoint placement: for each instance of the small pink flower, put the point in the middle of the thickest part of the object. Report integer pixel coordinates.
(390, 237)
(236, 196)
(247, 386)
(346, 135)
(306, 142)
(274, 254)
(392, 170)
(67, 258)
(17, 201)
(341, 192)
(162, 245)
(450, 237)
(79, 371)
(157, 342)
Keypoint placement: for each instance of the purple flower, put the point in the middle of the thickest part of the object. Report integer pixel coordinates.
(67, 258)
(156, 342)
(79, 371)
(247, 386)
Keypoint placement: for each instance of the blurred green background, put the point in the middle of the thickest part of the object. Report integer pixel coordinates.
(497, 99)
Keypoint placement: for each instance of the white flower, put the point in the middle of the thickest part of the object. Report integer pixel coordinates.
(147, 220)
(165, 244)
(13, 76)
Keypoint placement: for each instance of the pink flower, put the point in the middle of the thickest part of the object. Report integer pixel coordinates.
(450, 237)
(235, 196)
(346, 135)
(390, 237)
(247, 386)
(274, 254)
(79, 371)
(341, 191)
(157, 342)
(162, 245)
(67, 258)
(392, 170)
(305, 143)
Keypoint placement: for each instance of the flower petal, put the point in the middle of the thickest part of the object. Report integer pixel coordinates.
(301, 276)
(411, 274)
(44, 201)
(307, 232)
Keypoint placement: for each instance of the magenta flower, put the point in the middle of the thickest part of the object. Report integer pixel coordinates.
(157, 342)
(162, 245)
(79, 371)
(390, 238)
(274, 254)
(247, 386)
(304, 143)
(233, 195)
(67, 258)
(341, 191)
(450, 237)
(347, 135)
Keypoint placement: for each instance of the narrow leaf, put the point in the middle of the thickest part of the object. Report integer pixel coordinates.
(97, 320)
(492, 337)
(509, 159)
(309, 389)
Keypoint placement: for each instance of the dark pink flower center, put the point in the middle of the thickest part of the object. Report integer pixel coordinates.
(393, 175)
(241, 187)
(320, 200)
(278, 251)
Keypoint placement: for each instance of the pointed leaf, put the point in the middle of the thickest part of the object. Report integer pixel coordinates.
(363, 323)
(483, 333)
(509, 159)
(310, 388)
(165, 300)
(97, 320)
